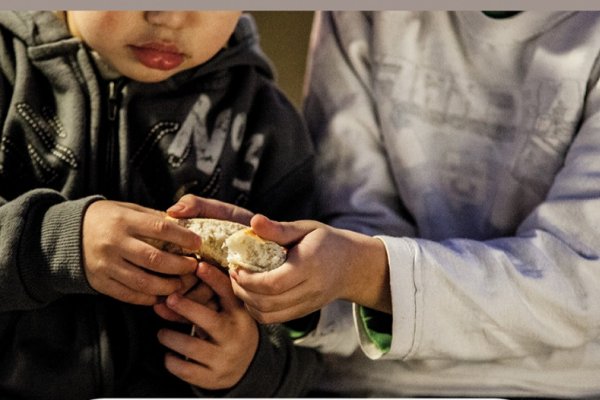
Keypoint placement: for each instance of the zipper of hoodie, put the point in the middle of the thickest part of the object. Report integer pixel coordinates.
(111, 175)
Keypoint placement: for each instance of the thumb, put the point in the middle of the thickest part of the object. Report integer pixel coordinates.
(284, 233)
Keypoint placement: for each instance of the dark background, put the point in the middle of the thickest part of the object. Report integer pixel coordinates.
(284, 37)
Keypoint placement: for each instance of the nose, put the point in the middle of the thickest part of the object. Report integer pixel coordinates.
(168, 19)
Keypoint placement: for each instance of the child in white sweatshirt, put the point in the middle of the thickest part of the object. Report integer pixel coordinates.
(459, 170)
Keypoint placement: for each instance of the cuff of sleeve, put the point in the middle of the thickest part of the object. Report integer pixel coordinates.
(58, 254)
(335, 332)
(403, 285)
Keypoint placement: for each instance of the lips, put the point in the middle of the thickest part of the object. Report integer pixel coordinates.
(159, 56)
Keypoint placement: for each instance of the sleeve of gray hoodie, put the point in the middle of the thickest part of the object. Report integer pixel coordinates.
(40, 249)
(279, 369)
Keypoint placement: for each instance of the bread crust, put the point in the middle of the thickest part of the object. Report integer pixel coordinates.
(249, 251)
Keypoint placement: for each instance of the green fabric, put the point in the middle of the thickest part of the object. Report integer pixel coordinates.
(301, 327)
(378, 326)
(294, 334)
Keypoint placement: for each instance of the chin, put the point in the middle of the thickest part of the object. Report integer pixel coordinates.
(151, 78)
(149, 75)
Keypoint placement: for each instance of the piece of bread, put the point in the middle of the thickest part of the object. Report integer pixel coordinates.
(229, 245)
(247, 250)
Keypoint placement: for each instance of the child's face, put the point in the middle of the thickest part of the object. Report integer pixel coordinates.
(150, 46)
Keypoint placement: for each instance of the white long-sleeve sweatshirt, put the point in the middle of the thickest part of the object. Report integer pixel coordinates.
(472, 146)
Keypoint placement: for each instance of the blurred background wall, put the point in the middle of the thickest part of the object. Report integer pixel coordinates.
(284, 38)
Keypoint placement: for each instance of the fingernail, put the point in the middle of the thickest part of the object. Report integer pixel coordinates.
(265, 217)
(161, 335)
(173, 299)
(198, 242)
(202, 268)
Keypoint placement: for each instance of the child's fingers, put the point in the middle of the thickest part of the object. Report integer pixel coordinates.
(123, 293)
(192, 347)
(190, 206)
(197, 314)
(220, 283)
(165, 312)
(201, 293)
(149, 257)
(275, 282)
(267, 303)
(197, 374)
(139, 280)
(187, 371)
(188, 283)
(159, 228)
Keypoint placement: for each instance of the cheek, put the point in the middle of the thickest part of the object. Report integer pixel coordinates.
(215, 38)
(100, 32)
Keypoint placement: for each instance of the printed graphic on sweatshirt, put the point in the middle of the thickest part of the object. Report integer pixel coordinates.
(195, 142)
(194, 133)
(476, 137)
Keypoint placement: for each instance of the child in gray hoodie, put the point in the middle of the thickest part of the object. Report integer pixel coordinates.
(105, 118)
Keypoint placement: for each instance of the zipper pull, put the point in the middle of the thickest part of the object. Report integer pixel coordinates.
(112, 101)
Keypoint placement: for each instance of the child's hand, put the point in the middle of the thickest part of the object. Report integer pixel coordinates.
(221, 354)
(120, 264)
(323, 264)
(201, 293)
